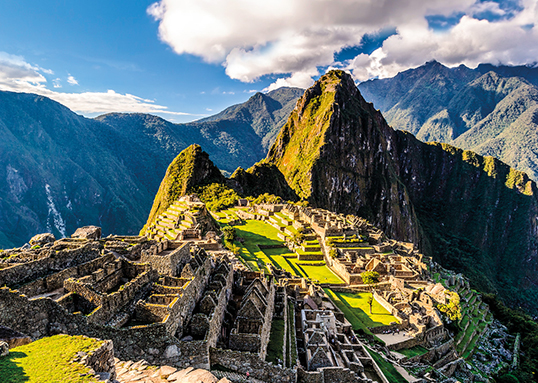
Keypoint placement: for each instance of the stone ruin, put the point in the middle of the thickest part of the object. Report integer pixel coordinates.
(182, 300)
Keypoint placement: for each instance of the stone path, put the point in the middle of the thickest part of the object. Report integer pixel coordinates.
(141, 372)
(406, 375)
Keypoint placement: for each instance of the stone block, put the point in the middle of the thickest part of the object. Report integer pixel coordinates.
(42, 239)
(87, 232)
(4, 349)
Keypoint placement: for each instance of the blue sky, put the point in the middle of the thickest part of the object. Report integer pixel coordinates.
(182, 59)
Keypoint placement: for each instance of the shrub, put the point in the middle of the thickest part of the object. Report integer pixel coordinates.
(217, 196)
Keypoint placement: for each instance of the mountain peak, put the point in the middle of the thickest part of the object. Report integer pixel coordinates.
(192, 167)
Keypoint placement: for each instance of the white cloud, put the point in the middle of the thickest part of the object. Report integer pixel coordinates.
(253, 38)
(71, 80)
(469, 42)
(17, 75)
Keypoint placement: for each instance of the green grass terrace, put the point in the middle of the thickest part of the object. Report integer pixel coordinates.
(357, 310)
(47, 360)
(257, 235)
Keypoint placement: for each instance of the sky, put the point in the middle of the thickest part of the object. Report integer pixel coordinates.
(186, 59)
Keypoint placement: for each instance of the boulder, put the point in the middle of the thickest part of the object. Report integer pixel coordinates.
(42, 239)
(87, 232)
(4, 349)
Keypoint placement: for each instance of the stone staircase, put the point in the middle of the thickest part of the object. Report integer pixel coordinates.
(171, 223)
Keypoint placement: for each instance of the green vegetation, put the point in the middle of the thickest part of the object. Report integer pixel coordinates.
(252, 233)
(452, 309)
(229, 233)
(47, 360)
(291, 346)
(217, 196)
(297, 146)
(519, 322)
(266, 198)
(413, 351)
(182, 175)
(356, 323)
(370, 278)
(388, 369)
(359, 304)
(276, 341)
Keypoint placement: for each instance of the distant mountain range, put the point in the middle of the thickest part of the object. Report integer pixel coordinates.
(61, 170)
(491, 110)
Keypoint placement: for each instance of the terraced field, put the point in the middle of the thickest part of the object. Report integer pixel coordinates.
(474, 322)
(261, 245)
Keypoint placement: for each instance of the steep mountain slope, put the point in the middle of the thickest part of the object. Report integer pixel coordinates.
(469, 212)
(192, 167)
(105, 171)
(57, 173)
(477, 109)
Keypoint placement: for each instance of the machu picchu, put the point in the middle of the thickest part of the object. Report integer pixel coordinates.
(190, 302)
(297, 269)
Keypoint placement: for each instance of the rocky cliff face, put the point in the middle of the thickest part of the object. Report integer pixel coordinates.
(334, 151)
(470, 212)
(191, 168)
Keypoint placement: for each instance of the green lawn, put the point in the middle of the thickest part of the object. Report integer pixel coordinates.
(388, 369)
(47, 360)
(291, 346)
(315, 270)
(276, 341)
(358, 302)
(356, 323)
(257, 233)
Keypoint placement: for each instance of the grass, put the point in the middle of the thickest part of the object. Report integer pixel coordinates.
(47, 360)
(358, 302)
(356, 323)
(315, 270)
(291, 346)
(388, 369)
(276, 341)
(413, 351)
(257, 233)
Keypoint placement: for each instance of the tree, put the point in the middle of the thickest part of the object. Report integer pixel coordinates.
(333, 253)
(452, 309)
(234, 249)
(297, 238)
(229, 233)
(370, 278)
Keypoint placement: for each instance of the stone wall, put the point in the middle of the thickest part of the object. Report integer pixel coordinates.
(167, 264)
(182, 310)
(44, 317)
(109, 304)
(243, 362)
(102, 359)
(25, 272)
